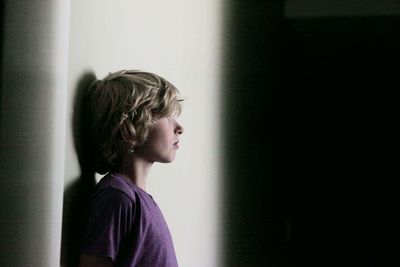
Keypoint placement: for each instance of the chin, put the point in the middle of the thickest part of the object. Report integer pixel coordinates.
(167, 159)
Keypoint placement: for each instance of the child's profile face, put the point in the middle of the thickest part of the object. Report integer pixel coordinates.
(162, 142)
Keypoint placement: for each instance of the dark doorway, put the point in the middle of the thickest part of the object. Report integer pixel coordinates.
(311, 139)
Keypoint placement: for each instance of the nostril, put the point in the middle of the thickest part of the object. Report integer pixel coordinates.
(179, 131)
(178, 128)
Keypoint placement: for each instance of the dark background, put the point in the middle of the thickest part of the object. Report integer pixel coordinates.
(311, 144)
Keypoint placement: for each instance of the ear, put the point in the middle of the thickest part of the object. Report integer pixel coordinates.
(127, 134)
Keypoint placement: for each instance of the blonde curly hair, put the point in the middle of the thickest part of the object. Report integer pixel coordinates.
(123, 107)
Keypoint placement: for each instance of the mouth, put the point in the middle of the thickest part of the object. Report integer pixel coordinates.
(176, 144)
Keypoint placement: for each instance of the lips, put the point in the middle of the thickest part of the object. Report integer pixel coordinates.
(176, 144)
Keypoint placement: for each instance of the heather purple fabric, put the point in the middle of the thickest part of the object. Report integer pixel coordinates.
(126, 224)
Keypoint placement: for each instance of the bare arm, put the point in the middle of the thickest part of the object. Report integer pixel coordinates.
(95, 261)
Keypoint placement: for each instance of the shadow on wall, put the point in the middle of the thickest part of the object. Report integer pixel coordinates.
(77, 194)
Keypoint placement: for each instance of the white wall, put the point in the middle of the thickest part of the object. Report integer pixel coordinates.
(179, 40)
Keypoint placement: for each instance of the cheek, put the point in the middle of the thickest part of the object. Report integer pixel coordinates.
(158, 141)
(161, 136)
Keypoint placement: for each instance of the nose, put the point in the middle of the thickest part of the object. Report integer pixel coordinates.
(178, 128)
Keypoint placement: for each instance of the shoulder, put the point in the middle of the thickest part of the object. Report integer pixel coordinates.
(111, 200)
(112, 196)
(114, 188)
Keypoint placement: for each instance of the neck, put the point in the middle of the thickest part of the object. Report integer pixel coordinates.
(135, 169)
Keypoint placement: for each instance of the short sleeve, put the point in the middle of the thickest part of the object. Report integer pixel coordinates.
(109, 221)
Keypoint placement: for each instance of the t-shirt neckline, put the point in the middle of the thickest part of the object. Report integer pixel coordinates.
(123, 178)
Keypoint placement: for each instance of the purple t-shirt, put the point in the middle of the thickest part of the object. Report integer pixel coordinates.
(125, 223)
